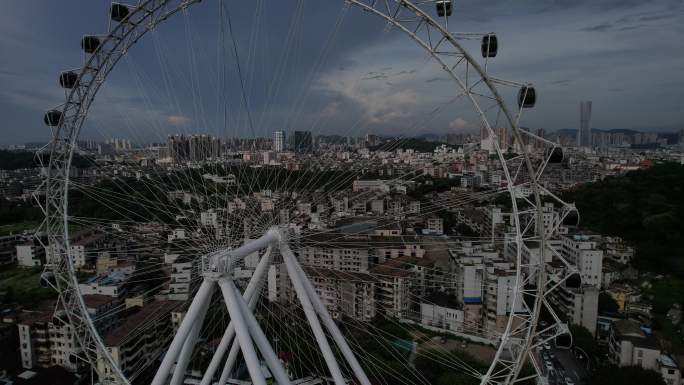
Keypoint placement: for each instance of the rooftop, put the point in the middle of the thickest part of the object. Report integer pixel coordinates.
(444, 300)
(132, 324)
(628, 330)
(348, 276)
(96, 300)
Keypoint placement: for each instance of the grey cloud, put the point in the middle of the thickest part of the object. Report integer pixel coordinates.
(436, 79)
(597, 28)
(561, 82)
(374, 77)
(656, 17)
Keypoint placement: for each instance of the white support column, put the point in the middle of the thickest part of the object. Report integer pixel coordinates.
(203, 295)
(189, 345)
(230, 362)
(332, 327)
(234, 350)
(261, 341)
(242, 333)
(328, 354)
(251, 291)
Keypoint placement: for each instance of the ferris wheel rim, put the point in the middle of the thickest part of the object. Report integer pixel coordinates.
(88, 98)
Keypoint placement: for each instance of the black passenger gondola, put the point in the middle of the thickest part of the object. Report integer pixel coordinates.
(443, 8)
(53, 117)
(556, 155)
(119, 12)
(58, 322)
(68, 79)
(490, 45)
(90, 43)
(47, 279)
(574, 281)
(527, 97)
(564, 341)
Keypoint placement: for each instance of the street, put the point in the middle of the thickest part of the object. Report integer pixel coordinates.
(561, 366)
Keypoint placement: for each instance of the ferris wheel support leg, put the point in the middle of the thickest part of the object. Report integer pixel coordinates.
(242, 332)
(203, 295)
(250, 292)
(328, 354)
(188, 347)
(261, 341)
(332, 327)
(234, 350)
(230, 362)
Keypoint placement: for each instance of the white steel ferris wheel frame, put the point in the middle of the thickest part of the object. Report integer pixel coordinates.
(520, 334)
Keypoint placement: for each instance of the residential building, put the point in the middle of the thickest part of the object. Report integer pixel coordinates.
(30, 254)
(577, 305)
(434, 226)
(140, 339)
(581, 249)
(631, 346)
(34, 338)
(8, 248)
(499, 296)
(278, 141)
(669, 370)
(393, 289)
(350, 293)
(111, 285)
(100, 308)
(442, 311)
(64, 347)
(182, 274)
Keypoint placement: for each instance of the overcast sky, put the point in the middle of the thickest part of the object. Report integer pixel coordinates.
(297, 73)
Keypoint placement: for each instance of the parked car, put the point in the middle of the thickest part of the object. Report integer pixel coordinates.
(549, 365)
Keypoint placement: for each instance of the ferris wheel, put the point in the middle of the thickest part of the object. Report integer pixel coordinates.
(237, 223)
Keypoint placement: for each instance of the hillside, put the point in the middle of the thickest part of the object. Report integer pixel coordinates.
(14, 160)
(645, 208)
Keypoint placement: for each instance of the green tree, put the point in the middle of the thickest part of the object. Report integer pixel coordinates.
(9, 295)
(582, 338)
(457, 378)
(606, 304)
(642, 207)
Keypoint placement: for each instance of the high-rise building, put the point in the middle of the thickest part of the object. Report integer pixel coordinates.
(503, 137)
(278, 141)
(181, 148)
(584, 132)
(302, 141)
(372, 140)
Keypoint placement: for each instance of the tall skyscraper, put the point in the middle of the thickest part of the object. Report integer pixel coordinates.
(302, 141)
(503, 137)
(584, 132)
(278, 141)
(197, 148)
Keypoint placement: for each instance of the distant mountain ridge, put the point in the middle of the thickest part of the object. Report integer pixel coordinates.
(573, 131)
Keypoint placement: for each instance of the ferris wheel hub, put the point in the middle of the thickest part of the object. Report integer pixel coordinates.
(221, 263)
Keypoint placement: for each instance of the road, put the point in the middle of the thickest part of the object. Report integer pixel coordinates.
(565, 365)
